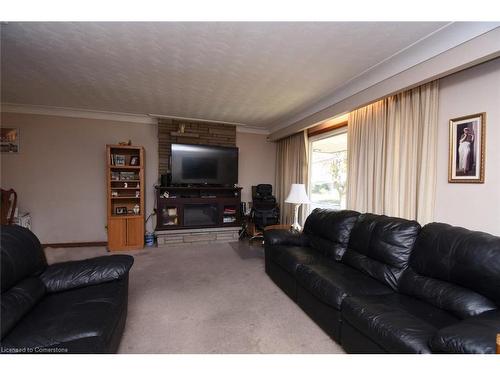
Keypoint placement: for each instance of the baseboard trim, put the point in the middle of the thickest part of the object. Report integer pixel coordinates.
(74, 244)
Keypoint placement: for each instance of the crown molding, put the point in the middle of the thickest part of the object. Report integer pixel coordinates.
(240, 128)
(194, 119)
(252, 130)
(76, 113)
(439, 42)
(113, 116)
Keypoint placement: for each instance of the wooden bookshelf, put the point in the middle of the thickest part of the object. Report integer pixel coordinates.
(125, 192)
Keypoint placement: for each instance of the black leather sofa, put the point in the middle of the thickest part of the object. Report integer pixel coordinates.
(379, 284)
(71, 307)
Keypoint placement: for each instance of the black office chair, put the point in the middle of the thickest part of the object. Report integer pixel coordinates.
(265, 210)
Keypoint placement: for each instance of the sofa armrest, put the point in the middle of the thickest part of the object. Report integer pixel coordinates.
(76, 274)
(276, 237)
(472, 335)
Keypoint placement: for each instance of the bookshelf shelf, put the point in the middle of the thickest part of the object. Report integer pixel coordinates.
(124, 167)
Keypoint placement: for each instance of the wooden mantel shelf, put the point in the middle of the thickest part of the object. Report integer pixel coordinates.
(185, 135)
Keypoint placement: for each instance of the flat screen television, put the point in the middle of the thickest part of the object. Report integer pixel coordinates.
(204, 165)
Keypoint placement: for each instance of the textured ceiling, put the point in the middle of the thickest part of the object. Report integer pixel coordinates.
(251, 73)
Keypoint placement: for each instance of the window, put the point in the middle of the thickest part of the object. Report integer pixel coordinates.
(328, 169)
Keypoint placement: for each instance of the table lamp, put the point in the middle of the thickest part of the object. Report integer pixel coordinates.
(297, 196)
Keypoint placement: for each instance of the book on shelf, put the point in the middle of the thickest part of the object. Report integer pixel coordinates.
(228, 219)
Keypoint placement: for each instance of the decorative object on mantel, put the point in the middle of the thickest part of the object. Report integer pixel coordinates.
(297, 196)
(467, 149)
(9, 140)
(128, 143)
(181, 132)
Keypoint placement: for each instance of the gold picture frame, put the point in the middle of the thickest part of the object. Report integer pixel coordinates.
(467, 138)
(9, 140)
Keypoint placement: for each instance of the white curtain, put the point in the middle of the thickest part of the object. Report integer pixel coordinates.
(291, 168)
(392, 147)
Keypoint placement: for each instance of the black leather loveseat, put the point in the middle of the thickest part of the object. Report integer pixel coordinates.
(379, 284)
(71, 307)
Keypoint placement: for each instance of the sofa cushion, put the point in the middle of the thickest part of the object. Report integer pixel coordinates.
(290, 257)
(18, 301)
(455, 269)
(397, 323)
(460, 301)
(22, 255)
(331, 282)
(86, 272)
(380, 246)
(90, 314)
(328, 231)
(473, 335)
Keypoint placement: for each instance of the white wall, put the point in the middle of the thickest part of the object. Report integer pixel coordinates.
(256, 162)
(59, 174)
(474, 206)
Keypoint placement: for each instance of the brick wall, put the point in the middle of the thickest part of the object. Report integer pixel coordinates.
(208, 134)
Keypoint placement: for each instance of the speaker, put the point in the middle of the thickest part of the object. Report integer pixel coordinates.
(166, 179)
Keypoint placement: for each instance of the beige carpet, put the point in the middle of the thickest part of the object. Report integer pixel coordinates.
(208, 299)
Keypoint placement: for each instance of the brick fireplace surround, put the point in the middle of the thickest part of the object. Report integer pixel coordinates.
(207, 133)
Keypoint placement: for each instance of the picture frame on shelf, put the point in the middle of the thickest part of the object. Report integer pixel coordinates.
(121, 210)
(134, 160)
(467, 149)
(119, 160)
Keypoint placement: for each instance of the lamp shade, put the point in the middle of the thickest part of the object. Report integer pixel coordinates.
(297, 194)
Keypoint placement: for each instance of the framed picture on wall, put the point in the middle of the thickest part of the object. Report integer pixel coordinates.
(467, 149)
(9, 140)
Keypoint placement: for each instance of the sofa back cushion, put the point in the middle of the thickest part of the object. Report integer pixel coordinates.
(21, 255)
(455, 269)
(380, 246)
(328, 231)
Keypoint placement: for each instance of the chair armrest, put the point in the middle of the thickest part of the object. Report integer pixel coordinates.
(76, 274)
(472, 335)
(276, 237)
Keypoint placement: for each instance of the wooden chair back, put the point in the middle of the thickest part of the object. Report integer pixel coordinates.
(8, 206)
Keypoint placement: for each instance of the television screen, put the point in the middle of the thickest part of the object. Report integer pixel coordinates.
(202, 164)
